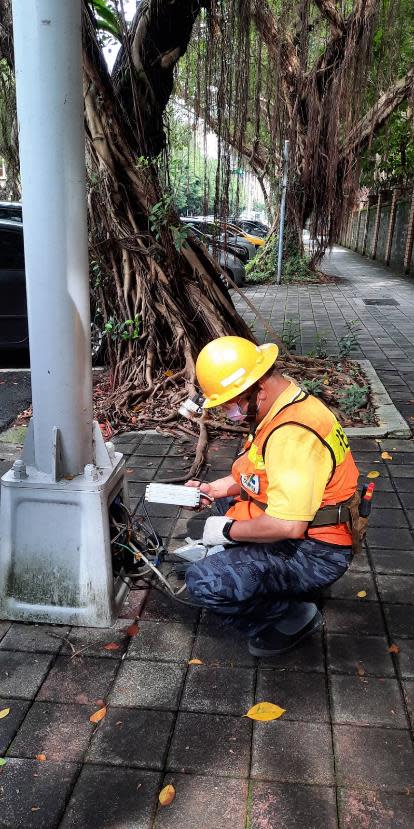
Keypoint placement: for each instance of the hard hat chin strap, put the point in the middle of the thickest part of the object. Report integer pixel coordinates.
(252, 409)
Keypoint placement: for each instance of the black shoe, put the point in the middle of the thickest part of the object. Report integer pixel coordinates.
(271, 641)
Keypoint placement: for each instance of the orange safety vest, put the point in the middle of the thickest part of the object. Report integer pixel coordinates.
(249, 468)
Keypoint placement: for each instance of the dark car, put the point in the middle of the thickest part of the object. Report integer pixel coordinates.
(229, 263)
(252, 226)
(13, 311)
(14, 332)
(237, 245)
(11, 210)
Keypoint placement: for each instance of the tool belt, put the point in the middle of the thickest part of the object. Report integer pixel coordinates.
(347, 512)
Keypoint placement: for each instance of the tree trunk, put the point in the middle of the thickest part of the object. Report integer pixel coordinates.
(163, 304)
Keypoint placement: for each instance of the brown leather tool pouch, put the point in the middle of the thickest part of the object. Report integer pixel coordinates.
(357, 524)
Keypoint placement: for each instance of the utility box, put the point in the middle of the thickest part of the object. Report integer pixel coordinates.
(55, 546)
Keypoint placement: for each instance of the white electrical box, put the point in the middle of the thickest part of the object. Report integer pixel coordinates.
(183, 496)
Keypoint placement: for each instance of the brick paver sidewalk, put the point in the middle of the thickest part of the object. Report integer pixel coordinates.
(341, 756)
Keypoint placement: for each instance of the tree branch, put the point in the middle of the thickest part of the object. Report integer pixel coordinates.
(330, 12)
(280, 47)
(353, 28)
(378, 114)
(144, 69)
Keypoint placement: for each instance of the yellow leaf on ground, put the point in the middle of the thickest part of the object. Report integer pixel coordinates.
(386, 456)
(168, 373)
(166, 795)
(325, 382)
(373, 474)
(4, 712)
(195, 662)
(393, 649)
(98, 715)
(112, 646)
(265, 711)
(362, 594)
(41, 757)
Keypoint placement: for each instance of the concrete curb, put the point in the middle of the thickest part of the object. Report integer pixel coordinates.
(392, 423)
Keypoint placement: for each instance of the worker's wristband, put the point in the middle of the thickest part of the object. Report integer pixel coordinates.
(227, 528)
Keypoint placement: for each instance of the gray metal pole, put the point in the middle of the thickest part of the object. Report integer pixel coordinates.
(48, 50)
(282, 210)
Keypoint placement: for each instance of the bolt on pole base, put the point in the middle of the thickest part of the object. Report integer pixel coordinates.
(55, 546)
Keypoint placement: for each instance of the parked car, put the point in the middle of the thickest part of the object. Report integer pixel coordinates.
(214, 233)
(13, 310)
(229, 263)
(251, 226)
(11, 210)
(14, 332)
(229, 228)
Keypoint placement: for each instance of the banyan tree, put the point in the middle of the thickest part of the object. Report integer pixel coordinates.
(254, 71)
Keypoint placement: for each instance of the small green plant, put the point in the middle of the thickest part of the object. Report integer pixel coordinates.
(314, 386)
(290, 334)
(159, 214)
(296, 269)
(320, 348)
(124, 330)
(348, 341)
(352, 399)
(96, 273)
(179, 235)
(263, 267)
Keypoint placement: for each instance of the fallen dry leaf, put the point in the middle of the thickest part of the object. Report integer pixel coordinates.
(265, 711)
(360, 669)
(35, 808)
(41, 757)
(4, 712)
(98, 715)
(132, 630)
(373, 474)
(166, 795)
(81, 699)
(386, 456)
(361, 594)
(3, 761)
(393, 649)
(112, 646)
(195, 662)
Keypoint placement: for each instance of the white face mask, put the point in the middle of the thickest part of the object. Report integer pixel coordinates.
(234, 413)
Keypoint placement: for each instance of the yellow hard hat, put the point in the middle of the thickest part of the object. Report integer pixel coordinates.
(228, 366)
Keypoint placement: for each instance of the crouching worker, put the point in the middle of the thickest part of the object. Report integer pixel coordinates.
(281, 515)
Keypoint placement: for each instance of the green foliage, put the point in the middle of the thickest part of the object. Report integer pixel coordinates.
(296, 269)
(290, 334)
(263, 267)
(192, 175)
(348, 341)
(390, 159)
(159, 214)
(320, 349)
(124, 330)
(314, 387)
(179, 235)
(107, 19)
(352, 399)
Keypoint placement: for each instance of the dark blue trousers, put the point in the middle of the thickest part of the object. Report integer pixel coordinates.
(253, 584)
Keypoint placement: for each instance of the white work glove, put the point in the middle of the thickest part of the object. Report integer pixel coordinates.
(213, 534)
